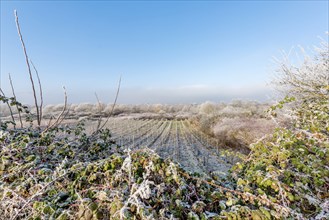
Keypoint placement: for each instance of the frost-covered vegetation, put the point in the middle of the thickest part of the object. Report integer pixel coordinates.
(64, 171)
(89, 177)
(234, 125)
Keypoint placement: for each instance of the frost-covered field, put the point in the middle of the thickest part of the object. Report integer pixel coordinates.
(195, 136)
(178, 140)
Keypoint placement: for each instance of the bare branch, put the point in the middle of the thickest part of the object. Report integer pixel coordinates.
(49, 122)
(115, 101)
(64, 115)
(11, 111)
(13, 91)
(28, 67)
(99, 112)
(61, 116)
(40, 91)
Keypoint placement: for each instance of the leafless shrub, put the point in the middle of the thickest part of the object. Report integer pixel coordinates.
(156, 108)
(231, 111)
(98, 108)
(49, 110)
(207, 108)
(107, 109)
(84, 108)
(58, 107)
(306, 80)
(240, 132)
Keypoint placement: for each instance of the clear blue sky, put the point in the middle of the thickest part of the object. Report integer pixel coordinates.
(166, 51)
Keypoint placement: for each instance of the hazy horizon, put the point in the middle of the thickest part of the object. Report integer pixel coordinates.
(182, 95)
(166, 52)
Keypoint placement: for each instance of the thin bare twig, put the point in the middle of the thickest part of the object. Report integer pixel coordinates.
(61, 116)
(28, 67)
(99, 112)
(115, 101)
(40, 91)
(64, 115)
(11, 111)
(49, 122)
(13, 91)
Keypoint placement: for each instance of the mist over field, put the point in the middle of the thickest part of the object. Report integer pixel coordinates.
(180, 95)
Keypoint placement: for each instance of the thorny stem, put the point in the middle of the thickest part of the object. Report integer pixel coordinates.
(13, 91)
(11, 111)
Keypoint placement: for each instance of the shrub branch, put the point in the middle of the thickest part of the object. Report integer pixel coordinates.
(29, 68)
(18, 110)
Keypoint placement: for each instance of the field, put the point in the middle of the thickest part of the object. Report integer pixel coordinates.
(187, 134)
(175, 139)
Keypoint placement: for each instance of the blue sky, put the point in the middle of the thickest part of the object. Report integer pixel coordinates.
(166, 51)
